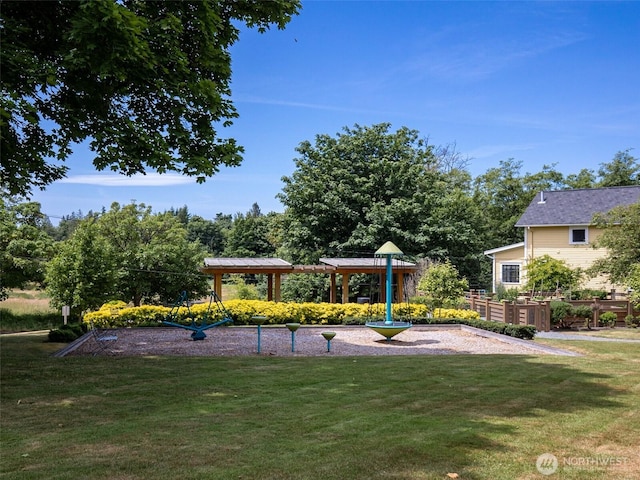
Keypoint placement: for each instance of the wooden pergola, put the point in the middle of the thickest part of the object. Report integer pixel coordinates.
(274, 268)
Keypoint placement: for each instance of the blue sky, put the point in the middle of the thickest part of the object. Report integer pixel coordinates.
(539, 82)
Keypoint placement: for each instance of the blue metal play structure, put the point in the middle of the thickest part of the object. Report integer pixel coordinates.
(198, 329)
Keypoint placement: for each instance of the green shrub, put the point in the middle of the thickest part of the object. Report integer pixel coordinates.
(608, 319)
(245, 291)
(526, 332)
(504, 293)
(588, 294)
(442, 285)
(583, 312)
(561, 314)
(67, 333)
(631, 321)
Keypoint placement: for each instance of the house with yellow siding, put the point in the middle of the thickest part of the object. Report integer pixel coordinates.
(560, 224)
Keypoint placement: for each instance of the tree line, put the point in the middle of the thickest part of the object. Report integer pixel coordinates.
(348, 194)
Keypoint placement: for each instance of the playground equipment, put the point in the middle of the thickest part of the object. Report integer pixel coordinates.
(292, 328)
(197, 328)
(328, 336)
(259, 320)
(388, 328)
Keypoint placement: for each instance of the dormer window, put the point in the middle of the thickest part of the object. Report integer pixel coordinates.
(578, 236)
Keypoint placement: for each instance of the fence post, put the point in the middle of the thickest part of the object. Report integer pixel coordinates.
(517, 308)
(595, 307)
(545, 325)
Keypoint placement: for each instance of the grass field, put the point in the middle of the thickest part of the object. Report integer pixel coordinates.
(428, 417)
(622, 333)
(26, 302)
(27, 310)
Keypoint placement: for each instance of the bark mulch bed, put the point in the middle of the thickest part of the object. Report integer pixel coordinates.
(276, 341)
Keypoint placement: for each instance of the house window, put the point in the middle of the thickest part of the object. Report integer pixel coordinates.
(511, 273)
(578, 236)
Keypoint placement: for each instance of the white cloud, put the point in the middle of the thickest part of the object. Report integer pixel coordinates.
(310, 106)
(114, 180)
(487, 151)
(479, 56)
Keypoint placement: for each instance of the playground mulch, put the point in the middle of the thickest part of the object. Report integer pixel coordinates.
(277, 341)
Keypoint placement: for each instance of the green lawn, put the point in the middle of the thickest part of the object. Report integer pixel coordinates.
(622, 333)
(481, 417)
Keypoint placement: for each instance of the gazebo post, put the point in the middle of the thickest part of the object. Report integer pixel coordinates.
(332, 292)
(345, 288)
(278, 280)
(217, 284)
(270, 287)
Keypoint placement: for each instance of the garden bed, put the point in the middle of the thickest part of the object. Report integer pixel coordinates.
(276, 341)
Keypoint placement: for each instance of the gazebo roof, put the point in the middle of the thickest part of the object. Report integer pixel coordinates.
(328, 265)
(246, 265)
(368, 265)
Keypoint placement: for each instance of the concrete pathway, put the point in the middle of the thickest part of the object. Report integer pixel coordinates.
(588, 338)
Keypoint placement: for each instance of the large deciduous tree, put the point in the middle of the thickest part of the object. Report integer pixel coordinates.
(351, 193)
(250, 235)
(83, 272)
(623, 170)
(144, 257)
(621, 239)
(147, 82)
(25, 247)
(503, 193)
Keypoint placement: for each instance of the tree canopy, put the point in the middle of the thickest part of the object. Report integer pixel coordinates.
(25, 246)
(621, 238)
(126, 253)
(504, 193)
(367, 185)
(442, 285)
(147, 82)
(548, 274)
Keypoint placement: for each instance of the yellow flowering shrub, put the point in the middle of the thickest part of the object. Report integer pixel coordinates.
(455, 313)
(242, 311)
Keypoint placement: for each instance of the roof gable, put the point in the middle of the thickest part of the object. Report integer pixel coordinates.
(506, 248)
(576, 207)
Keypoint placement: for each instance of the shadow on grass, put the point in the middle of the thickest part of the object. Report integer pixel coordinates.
(290, 418)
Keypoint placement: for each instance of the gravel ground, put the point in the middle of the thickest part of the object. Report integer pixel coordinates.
(276, 341)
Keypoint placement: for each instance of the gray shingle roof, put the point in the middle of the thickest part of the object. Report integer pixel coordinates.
(575, 207)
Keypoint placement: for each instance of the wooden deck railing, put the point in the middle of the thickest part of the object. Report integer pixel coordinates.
(533, 313)
(530, 312)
